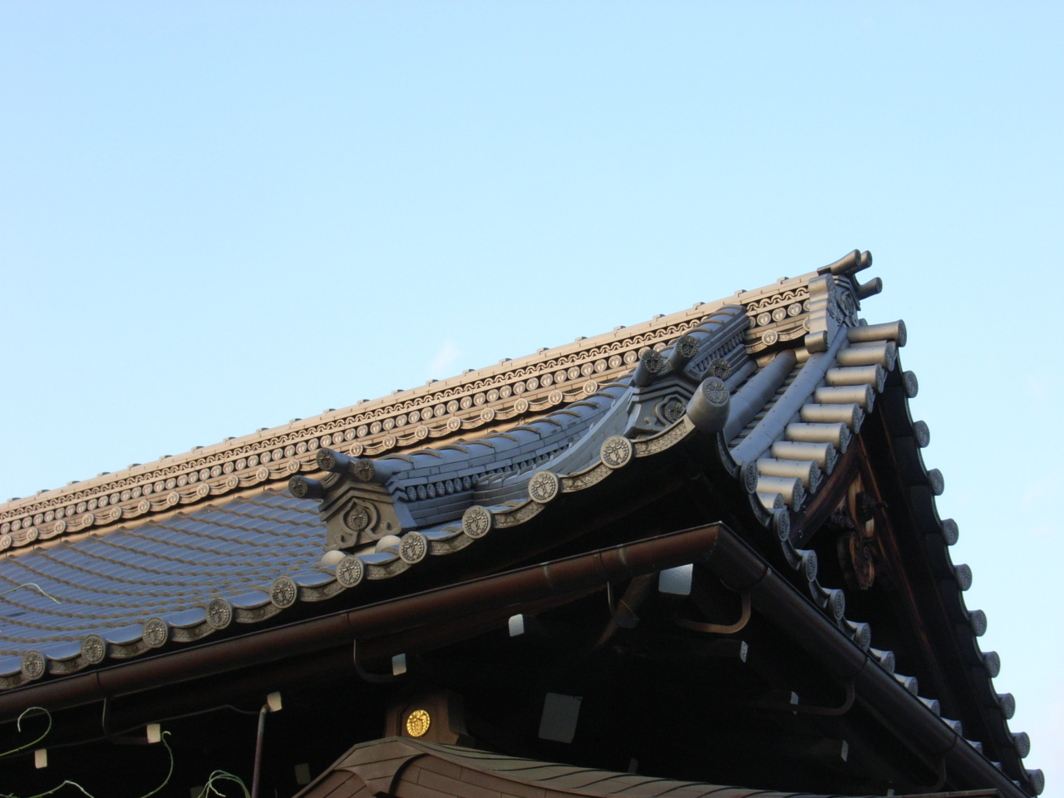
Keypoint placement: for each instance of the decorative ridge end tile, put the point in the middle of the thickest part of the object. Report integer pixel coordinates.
(497, 395)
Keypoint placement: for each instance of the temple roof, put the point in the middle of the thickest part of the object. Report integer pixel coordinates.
(412, 768)
(773, 386)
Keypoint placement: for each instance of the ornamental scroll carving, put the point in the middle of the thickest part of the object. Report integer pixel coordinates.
(357, 513)
(854, 523)
(812, 311)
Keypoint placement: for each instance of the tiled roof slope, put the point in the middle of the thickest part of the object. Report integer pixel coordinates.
(104, 595)
(472, 403)
(781, 381)
(414, 768)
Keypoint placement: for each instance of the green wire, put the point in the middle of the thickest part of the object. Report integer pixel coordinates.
(85, 792)
(35, 586)
(19, 727)
(221, 775)
(55, 790)
(170, 773)
(208, 788)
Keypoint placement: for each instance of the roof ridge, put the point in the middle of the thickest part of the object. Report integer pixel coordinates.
(491, 398)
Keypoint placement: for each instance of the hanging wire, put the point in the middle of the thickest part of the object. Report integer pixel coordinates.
(121, 732)
(53, 791)
(68, 782)
(19, 727)
(36, 587)
(221, 775)
(170, 772)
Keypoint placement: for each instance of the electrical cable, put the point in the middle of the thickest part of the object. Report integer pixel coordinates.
(121, 732)
(221, 775)
(36, 587)
(18, 725)
(66, 782)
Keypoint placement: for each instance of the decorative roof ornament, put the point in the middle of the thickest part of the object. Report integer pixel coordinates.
(356, 507)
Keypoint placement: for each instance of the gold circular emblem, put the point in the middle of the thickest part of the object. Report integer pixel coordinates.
(417, 723)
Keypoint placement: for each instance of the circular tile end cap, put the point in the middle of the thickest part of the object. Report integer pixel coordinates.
(350, 570)
(922, 433)
(34, 665)
(950, 531)
(862, 634)
(936, 481)
(155, 632)
(477, 521)
(781, 523)
(912, 385)
(616, 451)
(1007, 702)
(1037, 779)
(902, 336)
(750, 476)
(219, 613)
(963, 575)
(93, 649)
(413, 548)
(837, 604)
(992, 663)
(543, 487)
(283, 592)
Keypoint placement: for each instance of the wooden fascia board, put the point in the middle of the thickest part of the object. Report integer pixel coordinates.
(933, 635)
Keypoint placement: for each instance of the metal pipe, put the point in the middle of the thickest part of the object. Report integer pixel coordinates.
(806, 625)
(258, 751)
(720, 628)
(512, 588)
(718, 548)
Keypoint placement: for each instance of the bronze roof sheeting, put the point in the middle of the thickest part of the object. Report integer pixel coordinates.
(407, 768)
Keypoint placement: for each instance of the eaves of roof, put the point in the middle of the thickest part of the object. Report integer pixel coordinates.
(781, 431)
(719, 549)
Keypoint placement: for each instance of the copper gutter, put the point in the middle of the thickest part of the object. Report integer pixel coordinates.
(440, 605)
(715, 546)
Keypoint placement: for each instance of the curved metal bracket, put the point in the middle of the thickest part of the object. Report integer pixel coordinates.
(372, 678)
(809, 709)
(941, 776)
(718, 628)
(627, 621)
(117, 739)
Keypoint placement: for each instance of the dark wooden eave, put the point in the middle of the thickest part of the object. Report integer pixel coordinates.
(718, 549)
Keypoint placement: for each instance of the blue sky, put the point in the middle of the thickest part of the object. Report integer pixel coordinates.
(216, 217)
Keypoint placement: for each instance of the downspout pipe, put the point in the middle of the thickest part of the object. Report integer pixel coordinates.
(807, 626)
(259, 736)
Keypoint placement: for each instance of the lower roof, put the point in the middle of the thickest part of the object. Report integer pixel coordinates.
(409, 768)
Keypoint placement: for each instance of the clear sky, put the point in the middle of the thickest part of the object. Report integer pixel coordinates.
(220, 216)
